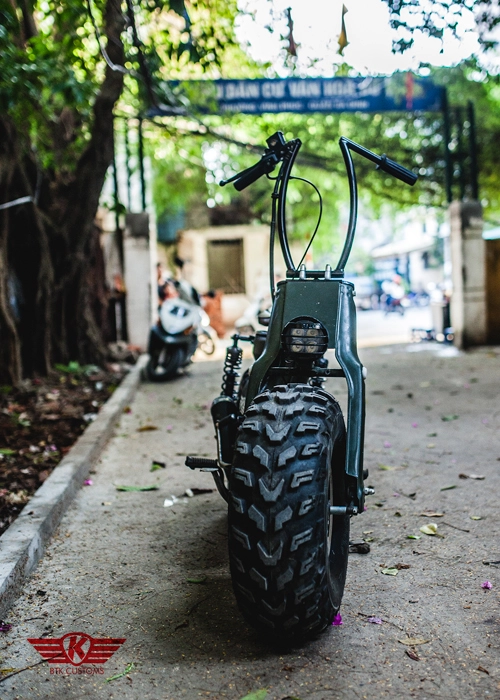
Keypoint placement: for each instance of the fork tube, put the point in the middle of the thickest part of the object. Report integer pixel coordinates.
(284, 177)
(272, 237)
(353, 209)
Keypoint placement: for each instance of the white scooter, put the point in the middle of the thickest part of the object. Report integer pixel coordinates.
(173, 339)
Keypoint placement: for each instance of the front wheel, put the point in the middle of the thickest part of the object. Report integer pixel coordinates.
(164, 363)
(288, 555)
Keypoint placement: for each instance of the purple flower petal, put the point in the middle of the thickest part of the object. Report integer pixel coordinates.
(375, 620)
(88, 482)
(414, 425)
(487, 585)
(5, 626)
(169, 427)
(337, 620)
(387, 444)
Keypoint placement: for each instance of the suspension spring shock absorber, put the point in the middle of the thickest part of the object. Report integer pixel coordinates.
(231, 374)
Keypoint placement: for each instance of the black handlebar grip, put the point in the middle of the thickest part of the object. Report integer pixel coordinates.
(396, 170)
(264, 166)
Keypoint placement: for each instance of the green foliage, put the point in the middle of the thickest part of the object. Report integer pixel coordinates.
(440, 19)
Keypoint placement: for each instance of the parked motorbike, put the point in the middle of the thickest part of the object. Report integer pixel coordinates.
(292, 475)
(173, 339)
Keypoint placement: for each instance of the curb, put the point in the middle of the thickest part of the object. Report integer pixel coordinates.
(23, 544)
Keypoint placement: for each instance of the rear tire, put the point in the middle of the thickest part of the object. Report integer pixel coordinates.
(288, 555)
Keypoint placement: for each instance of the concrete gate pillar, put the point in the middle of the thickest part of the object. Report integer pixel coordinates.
(468, 264)
(140, 279)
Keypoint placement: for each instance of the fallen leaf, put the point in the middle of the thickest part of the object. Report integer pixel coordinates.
(157, 465)
(391, 571)
(452, 416)
(482, 668)
(412, 654)
(199, 579)
(431, 445)
(413, 641)
(448, 488)
(385, 468)
(424, 385)
(432, 514)
(7, 451)
(479, 477)
(431, 434)
(430, 529)
(128, 668)
(475, 517)
(145, 428)
(402, 566)
(256, 695)
(359, 547)
(413, 537)
(137, 488)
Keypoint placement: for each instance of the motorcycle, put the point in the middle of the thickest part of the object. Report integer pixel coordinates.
(291, 473)
(173, 339)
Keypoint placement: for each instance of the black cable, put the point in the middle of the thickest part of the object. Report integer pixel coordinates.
(319, 217)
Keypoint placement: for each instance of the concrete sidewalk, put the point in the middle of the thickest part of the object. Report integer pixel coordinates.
(125, 566)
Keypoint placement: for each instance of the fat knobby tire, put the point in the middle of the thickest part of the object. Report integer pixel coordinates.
(288, 557)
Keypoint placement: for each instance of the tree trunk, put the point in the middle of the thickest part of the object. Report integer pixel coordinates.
(51, 272)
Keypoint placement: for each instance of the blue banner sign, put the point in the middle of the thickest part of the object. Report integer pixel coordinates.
(400, 92)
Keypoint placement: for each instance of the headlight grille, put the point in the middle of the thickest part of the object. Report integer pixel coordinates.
(304, 338)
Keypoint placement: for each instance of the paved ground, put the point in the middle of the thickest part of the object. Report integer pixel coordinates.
(123, 565)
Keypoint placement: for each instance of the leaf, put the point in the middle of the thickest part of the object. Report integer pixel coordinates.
(145, 428)
(475, 517)
(413, 641)
(432, 514)
(386, 468)
(452, 416)
(448, 488)
(256, 695)
(478, 477)
(391, 571)
(412, 654)
(413, 537)
(7, 451)
(137, 488)
(430, 529)
(157, 465)
(128, 668)
(199, 579)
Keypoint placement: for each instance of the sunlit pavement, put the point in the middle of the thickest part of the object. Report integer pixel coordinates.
(375, 329)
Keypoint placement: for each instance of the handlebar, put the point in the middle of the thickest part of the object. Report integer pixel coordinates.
(383, 162)
(265, 166)
(278, 150)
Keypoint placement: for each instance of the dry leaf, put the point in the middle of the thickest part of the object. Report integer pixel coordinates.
(413, 641)
(145, 428)
(430, 529)
(392, 571)
(432, 514)
(412, 654)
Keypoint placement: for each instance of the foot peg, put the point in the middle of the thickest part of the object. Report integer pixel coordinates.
(368, 491)
(208, 465)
